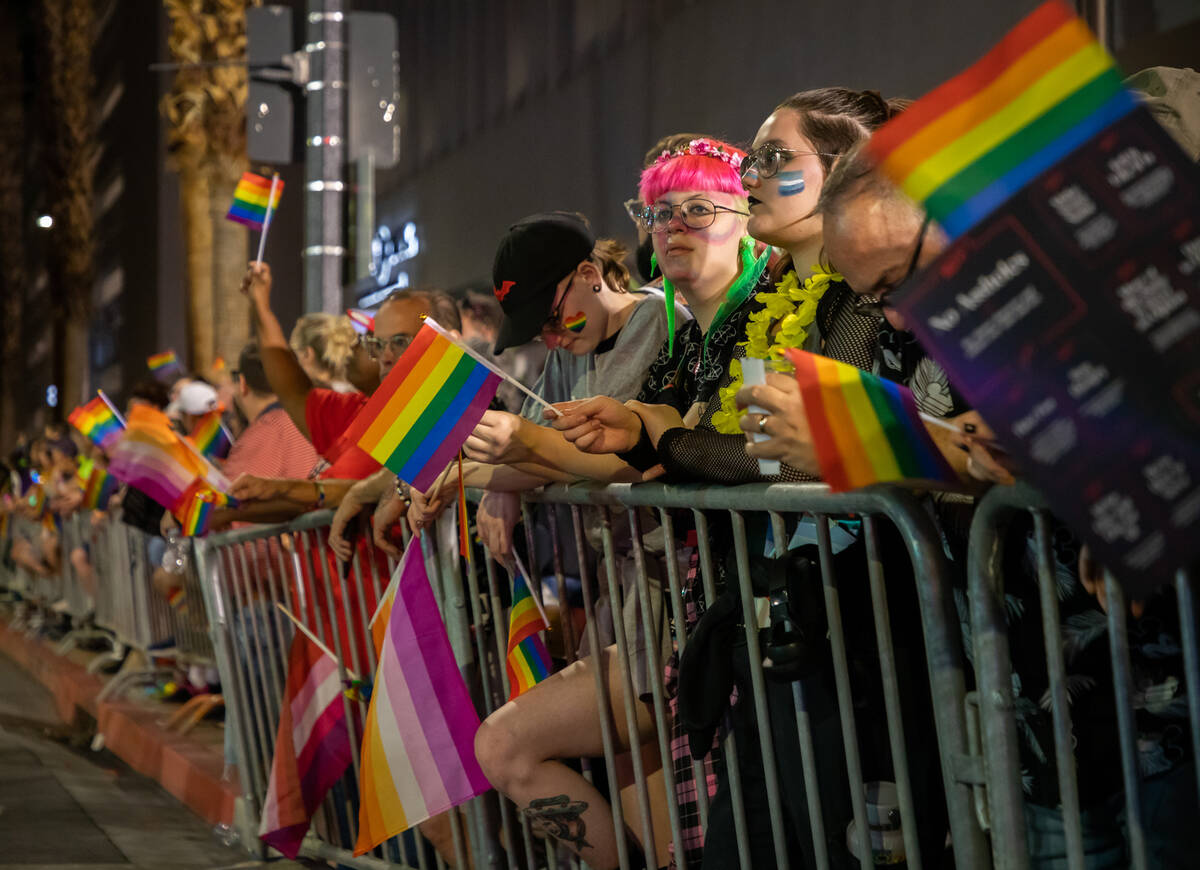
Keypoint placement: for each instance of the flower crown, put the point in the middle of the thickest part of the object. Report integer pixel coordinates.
(703, 148)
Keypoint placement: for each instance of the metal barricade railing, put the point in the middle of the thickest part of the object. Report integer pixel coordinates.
(1004, 807)
(243, 573)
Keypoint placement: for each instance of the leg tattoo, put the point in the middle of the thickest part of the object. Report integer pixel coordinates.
(561, 818)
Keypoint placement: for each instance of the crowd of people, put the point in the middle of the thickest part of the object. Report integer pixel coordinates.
(794, 241)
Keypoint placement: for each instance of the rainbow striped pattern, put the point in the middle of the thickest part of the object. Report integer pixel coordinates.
(96, 422)
(527, 660)
(163, 363)
(250, 200)
(196, 506)
(865, 429)
(101, 486)
(418, 749)
(425, 408)
(211, 437)
(966, 147)
(312, 746)
(575, 324)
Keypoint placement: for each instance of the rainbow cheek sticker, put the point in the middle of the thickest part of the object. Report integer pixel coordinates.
(575, 323)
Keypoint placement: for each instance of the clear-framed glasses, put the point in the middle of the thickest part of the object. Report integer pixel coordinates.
(868, 307)
(398, 343)
(769, 159)
(696, 214)
(636, 209)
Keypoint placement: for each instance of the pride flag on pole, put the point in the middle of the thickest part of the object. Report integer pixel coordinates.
(418, 750)
(250, 200)
(211, 437)
(163, 363)
(527, 660)
(966, 147)
(425, 408)
(865, 429)
(312, 746)
(96, 421)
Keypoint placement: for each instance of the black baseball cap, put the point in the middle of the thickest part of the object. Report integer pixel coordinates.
(537, 253)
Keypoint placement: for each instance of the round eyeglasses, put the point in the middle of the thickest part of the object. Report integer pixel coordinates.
(398, 344)
(696, 214)
(768, 159)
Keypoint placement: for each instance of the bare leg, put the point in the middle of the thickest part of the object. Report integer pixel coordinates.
(518, 747)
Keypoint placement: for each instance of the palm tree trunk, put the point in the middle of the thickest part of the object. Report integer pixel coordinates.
(230, 242)
(198, 237)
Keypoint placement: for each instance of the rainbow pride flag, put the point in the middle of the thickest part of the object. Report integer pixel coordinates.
(312, 746)
(425, 408)
(96, 422)
(418, 749)
(865, 429)
(211, 437)
(527, 660)
(163, 363)
(966, 147)
(196, 505)
(250, 200)
(101, 486)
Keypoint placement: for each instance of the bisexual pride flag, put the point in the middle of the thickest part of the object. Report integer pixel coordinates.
(425, 408)
(966, 147)
(865, 429)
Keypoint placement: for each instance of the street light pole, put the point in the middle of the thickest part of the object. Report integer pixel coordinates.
(325, 156)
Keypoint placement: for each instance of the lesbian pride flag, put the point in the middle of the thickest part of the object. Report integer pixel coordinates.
(425, 408)
(312, 747)
(527, 660)
(97, 422)
(967, 146)
(418, 750)
(865, 429)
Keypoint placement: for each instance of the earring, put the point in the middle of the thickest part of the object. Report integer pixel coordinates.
(595, 288)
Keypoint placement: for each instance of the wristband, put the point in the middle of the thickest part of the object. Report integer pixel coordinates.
(403, 491)
(643, 456)
(320, 494)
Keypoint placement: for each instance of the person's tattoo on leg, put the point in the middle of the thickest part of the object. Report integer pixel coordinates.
(561, 818)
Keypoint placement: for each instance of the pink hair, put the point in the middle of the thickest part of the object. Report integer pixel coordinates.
(685, 170)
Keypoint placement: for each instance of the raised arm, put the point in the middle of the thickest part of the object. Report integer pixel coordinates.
(288, 380)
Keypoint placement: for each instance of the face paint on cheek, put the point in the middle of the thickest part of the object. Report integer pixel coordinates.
(791, 183)
(575, 323)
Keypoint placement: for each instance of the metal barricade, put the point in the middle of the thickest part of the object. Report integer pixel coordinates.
(1003, 806)
(245, 572)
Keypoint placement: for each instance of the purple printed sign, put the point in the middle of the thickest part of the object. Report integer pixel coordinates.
(1071, 320)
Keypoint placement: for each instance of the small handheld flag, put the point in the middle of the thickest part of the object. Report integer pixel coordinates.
(865, 429)
(966, 147)
(362, 321)
(196, 506)
(527, 660)
(253, 200)
(97, 422)
(101, 486)
(163, 364)
(211, 437)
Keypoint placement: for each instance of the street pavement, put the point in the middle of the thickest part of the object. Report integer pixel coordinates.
(64, 807)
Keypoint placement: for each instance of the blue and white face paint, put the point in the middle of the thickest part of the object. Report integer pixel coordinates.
(791, 183)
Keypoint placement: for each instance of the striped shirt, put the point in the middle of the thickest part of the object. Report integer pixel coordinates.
(271, 446)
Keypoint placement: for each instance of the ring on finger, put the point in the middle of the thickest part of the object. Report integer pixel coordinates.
(762, 422)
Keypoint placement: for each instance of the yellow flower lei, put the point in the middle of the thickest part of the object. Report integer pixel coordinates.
(782, 323)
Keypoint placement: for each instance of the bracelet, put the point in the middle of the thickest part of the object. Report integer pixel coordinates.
(643, 456)
(403, 491)
(320, 494)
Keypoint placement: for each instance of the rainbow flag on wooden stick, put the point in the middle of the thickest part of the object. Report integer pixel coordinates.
(965, 148)
(97, 422)
(426, 407)
(865, 429)
(527, 660)
(251, 199)
(418, 749)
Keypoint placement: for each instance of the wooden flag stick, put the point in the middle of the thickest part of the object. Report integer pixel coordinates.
(262, 239)
(436, 327)
(529, 581)
(307, 633)
(112, 407)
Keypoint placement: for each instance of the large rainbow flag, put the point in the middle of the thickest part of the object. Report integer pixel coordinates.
(418, 750)
(211, 437)
(250, 200)
(865, 429)
(966, 147)
(527, 660)
(97, 422)
(425, 408)
(312, 746)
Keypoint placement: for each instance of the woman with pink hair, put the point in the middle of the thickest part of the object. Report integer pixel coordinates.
(694, 207)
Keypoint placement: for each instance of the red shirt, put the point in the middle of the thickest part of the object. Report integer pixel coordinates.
(329, 414)
(271, 446)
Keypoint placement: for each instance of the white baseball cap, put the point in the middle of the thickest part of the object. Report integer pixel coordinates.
(194, 398)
